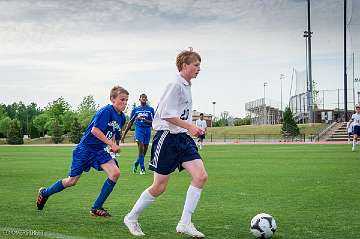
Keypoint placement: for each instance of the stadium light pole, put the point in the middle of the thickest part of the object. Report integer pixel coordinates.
(307, 34)
(265, 113)
(345, 74)
(282, 76)
(213, 110)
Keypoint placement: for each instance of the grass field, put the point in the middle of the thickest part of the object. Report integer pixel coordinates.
(311, 190)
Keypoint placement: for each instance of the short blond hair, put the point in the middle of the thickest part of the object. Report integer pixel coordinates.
(117, 90)
(187, 57)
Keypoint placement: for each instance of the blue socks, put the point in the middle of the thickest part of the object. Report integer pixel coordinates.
(105, 192)
(55, 188)
(141, 162)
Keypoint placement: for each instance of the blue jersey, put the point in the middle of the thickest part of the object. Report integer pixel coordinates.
(144, 111)
(109, 121)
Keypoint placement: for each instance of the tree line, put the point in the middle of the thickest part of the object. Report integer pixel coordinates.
(55, 120)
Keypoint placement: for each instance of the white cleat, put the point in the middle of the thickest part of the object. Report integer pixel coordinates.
(189, 229)
(133, 226)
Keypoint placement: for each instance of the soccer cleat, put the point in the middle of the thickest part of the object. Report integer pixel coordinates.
(142, 172)
(133, 226)
(99, 212)
(41, 200)
(133, 169)
(189, 229)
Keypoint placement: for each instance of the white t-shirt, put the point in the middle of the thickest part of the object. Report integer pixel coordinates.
(175, 102)
(356, 119)
(201, 123)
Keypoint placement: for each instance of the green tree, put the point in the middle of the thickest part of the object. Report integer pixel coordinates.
(86, 111)
(39, 123)
(242, 121)
(56, 131)
(3, 112)
(75, 131)
(289, 127)
(223, 120)
(68, 119)
(4, 126)
(14, 135)
(57, 108)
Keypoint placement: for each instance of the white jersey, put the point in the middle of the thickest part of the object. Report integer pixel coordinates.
(356, 119)
(175, 102)
(201, 123)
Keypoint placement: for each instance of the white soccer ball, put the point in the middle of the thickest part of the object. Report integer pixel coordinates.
(263, 226)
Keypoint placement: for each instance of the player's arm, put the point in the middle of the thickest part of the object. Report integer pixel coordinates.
(193, 129)
(101, 136)
(128, 127)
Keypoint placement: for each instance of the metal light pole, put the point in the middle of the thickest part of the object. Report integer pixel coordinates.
(308, 34)
(265, 113)
(353, 76)
(213, 110)
(282, 76)
(345, 74)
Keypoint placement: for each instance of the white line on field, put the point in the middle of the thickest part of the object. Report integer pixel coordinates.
(28, 232)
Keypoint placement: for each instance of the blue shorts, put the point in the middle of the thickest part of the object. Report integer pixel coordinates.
(169, 151)
(84, 158)
(142, 134)
(356, 130)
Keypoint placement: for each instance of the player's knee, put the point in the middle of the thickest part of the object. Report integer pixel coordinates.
(69, 182)
(201, 178)
(115, 175)
(157, 190)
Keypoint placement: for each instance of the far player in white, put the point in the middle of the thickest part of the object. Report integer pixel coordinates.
(201, 123)
(355, 119)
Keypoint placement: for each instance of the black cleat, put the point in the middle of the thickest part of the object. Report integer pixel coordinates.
(41, 200)
(99, 212)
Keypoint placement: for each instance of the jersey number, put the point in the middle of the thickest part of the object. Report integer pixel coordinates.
(185, 115)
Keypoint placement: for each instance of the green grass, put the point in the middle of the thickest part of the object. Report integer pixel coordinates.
(311, 190)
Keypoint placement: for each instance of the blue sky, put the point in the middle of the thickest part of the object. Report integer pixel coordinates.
(77, 48)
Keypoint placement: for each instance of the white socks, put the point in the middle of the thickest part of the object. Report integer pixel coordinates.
(192, 198)
(354, 144)
(143, 202)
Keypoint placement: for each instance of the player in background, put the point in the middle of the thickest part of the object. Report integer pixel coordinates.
(96, 149)
(355, 120)
(173, 148)
(350, 129)
(201, 123)
(142, 116)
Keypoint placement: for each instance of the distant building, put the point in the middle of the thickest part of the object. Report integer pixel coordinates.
(207, 117)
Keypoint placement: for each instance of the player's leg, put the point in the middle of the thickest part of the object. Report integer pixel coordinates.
(145, 200)
(201, 141)
(58, 186)
(354, 142)
(198, 179)
(113, 172)
(77, 167)
(141, 157)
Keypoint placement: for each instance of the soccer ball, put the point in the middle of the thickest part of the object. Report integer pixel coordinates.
(263, 226)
